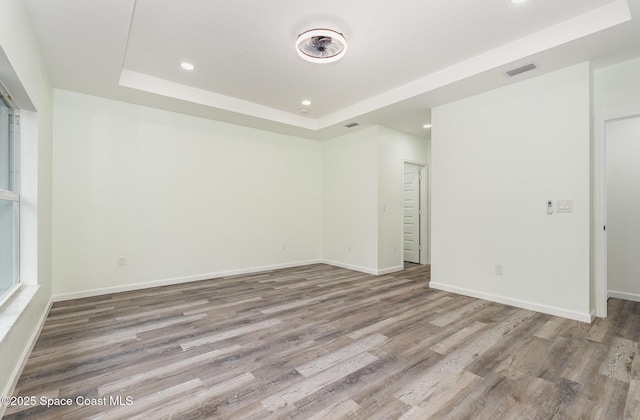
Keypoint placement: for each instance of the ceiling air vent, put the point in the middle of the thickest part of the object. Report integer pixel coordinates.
(350, 125)
(520, 70)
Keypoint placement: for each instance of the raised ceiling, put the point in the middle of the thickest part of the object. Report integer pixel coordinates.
(403, 58)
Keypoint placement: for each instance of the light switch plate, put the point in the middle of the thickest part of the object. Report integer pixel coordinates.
(564, 206)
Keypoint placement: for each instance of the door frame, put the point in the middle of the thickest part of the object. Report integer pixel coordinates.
(425, 214)
(600, 208)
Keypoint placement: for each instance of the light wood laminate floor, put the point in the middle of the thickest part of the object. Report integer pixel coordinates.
(320, 342)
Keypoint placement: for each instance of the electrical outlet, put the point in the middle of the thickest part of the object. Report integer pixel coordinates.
(349, 248)
(395, 249)
(284, 247)
(499, 270)
(122, 261)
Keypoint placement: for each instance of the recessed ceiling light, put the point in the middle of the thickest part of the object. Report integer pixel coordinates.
(306, 102)
(517, 1)
(426, 126)
(186, 66)
(304, 111)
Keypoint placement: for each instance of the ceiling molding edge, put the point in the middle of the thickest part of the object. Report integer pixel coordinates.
(589, 23)
(564, 32)
(156, 85)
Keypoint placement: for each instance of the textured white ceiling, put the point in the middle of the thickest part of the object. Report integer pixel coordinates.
(404, 56)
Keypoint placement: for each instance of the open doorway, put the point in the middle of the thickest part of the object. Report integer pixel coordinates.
(617, 205)
(415, 241)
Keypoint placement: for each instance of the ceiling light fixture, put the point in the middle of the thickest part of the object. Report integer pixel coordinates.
(321, 45)
(517, 1)
(426, 126)
(187, 66)
(306, 102)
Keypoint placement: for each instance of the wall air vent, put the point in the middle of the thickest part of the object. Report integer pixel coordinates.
(350, 125)
(520, 70)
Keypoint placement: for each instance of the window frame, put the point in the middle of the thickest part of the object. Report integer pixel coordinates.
(13, 194)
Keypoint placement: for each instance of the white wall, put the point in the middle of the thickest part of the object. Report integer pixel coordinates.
(184, 198)
(180, 197)
(616, 89)
(32, 87)
(497, 158)
(362, 197)
(394, 149)
(350, 200)
(623, 208)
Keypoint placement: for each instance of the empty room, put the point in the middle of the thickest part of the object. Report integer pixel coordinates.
(335, 210)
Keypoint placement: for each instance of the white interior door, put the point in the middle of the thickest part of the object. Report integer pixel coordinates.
(411, 213)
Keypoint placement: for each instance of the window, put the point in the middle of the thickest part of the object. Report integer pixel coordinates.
(9, 198)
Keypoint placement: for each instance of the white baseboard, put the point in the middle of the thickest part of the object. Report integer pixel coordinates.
(351, 267)
(367, 270)
(592, 314)
(391, 270)
(624, 295)
(26, 352)
(177, 280)
(532, 306)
